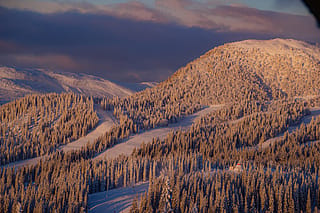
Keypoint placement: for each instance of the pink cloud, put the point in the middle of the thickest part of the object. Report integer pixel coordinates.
(213, 15)
(135, 10)
(239, 18)
(186, 12)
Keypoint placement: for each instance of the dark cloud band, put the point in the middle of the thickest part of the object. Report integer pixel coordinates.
(120, 48)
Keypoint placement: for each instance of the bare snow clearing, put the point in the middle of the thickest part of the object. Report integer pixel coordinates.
(106, 121)
(128, 145)
(27, 162)
(116, 200)
(315, 112)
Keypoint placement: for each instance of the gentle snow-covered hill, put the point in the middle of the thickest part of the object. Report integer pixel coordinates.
(260, 69)
(15, 83)
(279, 46)
(234, 73)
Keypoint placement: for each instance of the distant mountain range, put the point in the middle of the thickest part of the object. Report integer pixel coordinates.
(16, 82)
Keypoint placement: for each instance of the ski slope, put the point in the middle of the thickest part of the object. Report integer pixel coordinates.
(106, 121)
(116, 200)
(314, 113)
(127, 146)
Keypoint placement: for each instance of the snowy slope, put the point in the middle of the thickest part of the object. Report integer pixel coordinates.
(279, 46)
(15, 83)
(116, 200)
(128, 145)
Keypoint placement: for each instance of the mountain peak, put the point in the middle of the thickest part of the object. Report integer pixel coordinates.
(253, 69)
(278, 46)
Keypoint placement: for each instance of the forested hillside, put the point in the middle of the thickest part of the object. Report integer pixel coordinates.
(281, 178)
(38, 124)
(248, 73)
(218, 165)
(235, 72)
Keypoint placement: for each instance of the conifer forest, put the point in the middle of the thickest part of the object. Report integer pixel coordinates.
(256, 149)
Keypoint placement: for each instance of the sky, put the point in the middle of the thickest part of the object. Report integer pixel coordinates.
(141, 40)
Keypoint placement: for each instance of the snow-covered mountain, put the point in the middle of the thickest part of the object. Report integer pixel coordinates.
(254, 69)
(15, 83)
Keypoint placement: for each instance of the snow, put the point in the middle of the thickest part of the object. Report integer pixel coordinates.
(279, 46)
(128, 145)
(116, 200)
(90, 85)
(137, 86)
(15, 83)
(106, 121)
(315, 112)
(29, 162)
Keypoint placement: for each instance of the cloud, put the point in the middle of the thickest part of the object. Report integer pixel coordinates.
(188, 13)
(114, 48)
(237, 18)
(284, 4)
(132, 9)
(254, 20)
(132, 42)
(135, 10)
(8, 47)
(219, 15)
(225, 17)
(38, 6)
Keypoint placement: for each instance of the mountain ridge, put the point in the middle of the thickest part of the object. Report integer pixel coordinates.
(17, 82)
(288, 56)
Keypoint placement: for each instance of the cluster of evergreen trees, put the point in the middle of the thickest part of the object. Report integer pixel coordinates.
(37, 124)
(217, 135)
(257, 189)
(57, 184)
(200, 178)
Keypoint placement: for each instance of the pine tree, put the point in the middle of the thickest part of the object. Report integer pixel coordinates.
(134, 207)
(166, 197)
(309, 204)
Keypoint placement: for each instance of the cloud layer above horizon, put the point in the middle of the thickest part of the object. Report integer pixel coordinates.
(135, 41)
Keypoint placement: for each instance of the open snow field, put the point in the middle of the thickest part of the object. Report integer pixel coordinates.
(116, 200)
